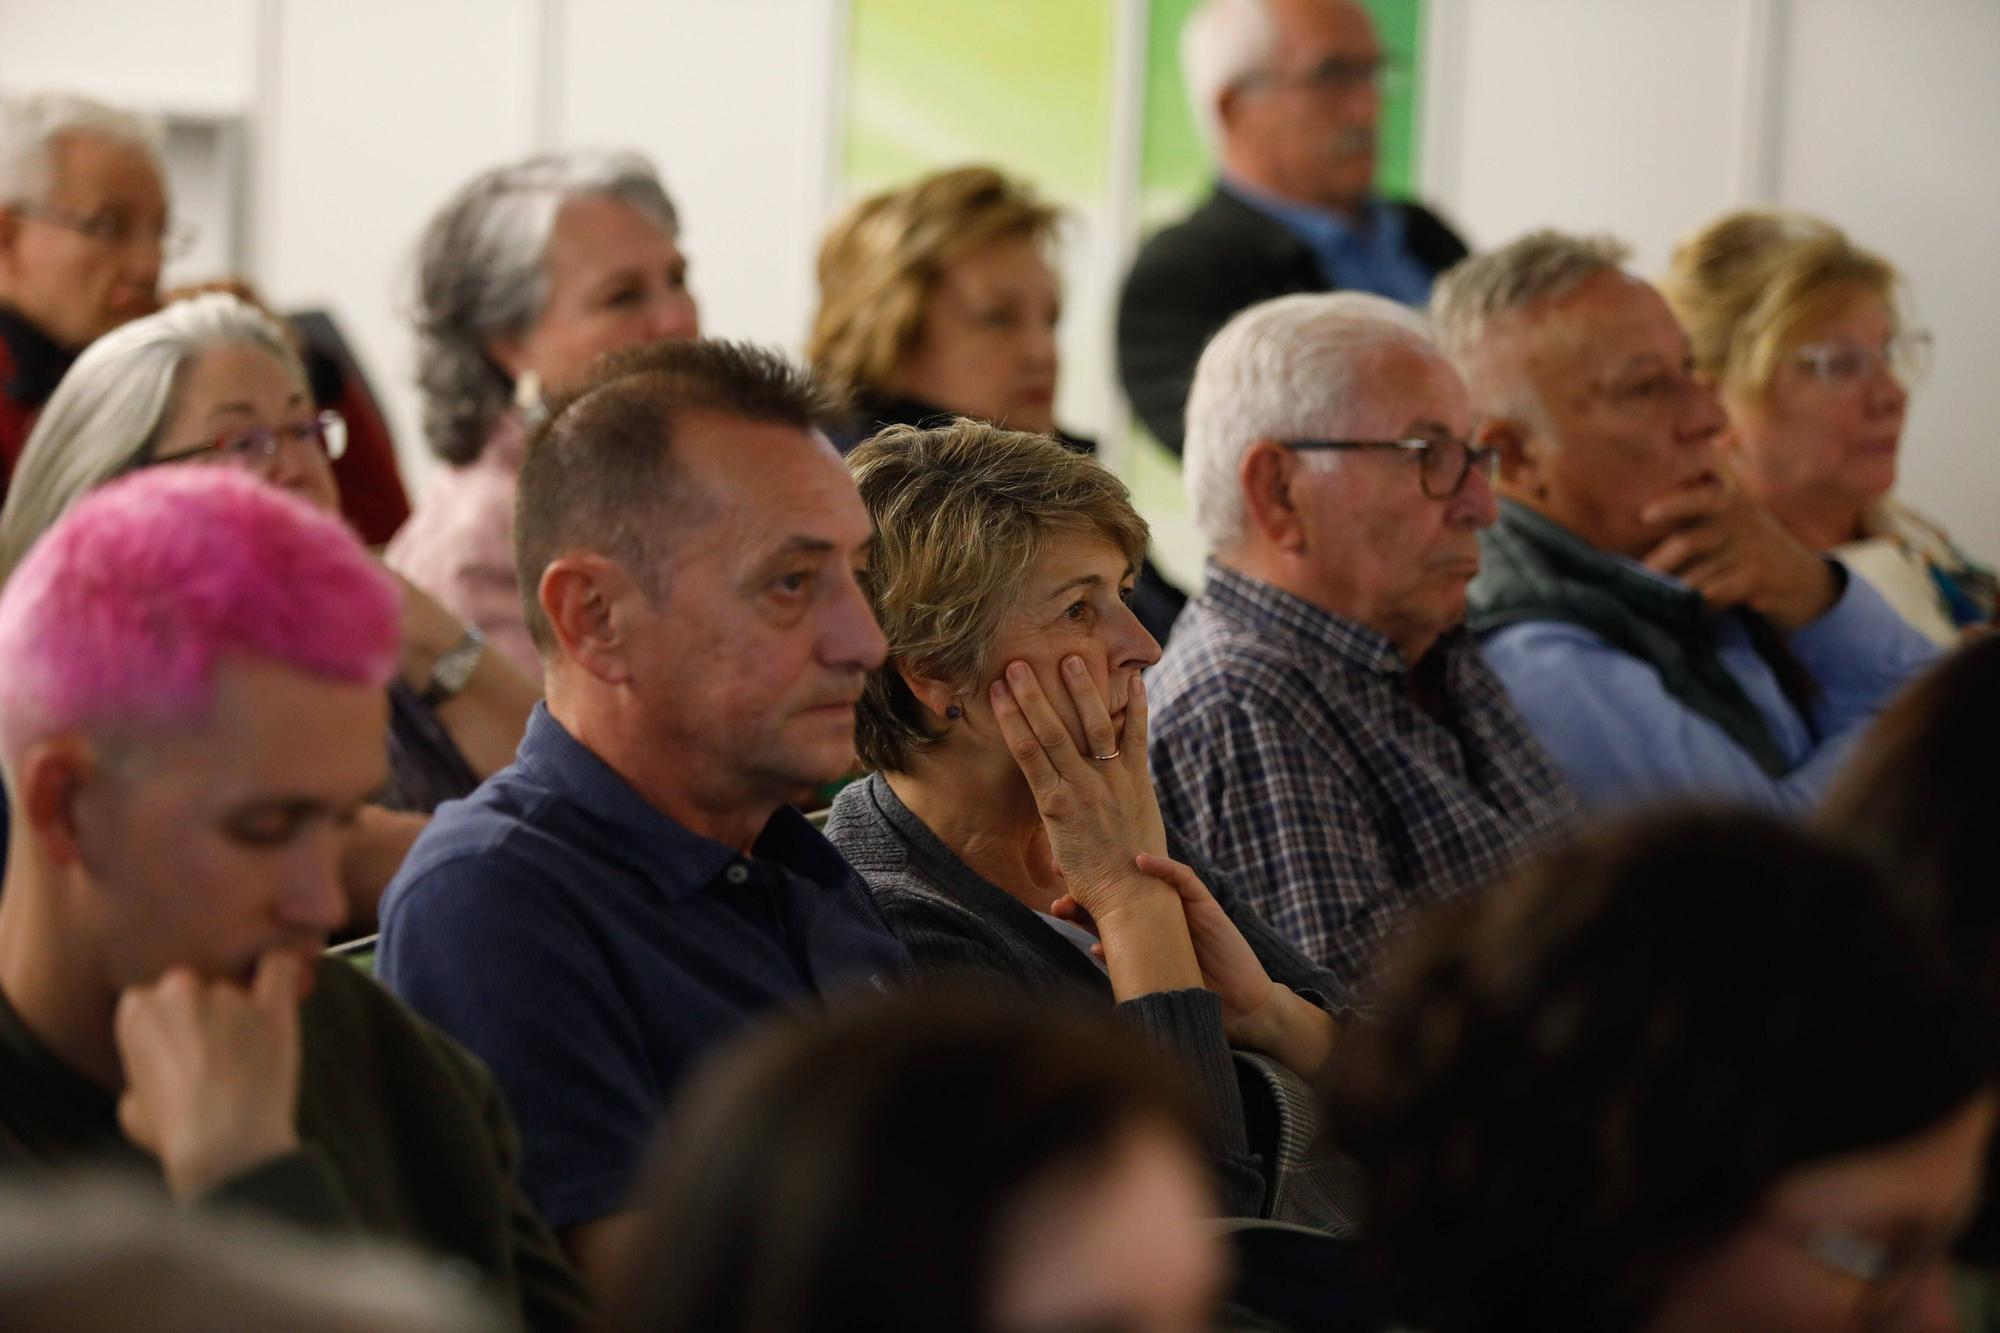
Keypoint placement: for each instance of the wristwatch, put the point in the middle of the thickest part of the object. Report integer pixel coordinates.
(455, 667)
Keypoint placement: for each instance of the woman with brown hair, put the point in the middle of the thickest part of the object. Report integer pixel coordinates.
(939, 300)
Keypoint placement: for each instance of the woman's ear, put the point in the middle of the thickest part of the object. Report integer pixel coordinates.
(510, 354)
(939, 696)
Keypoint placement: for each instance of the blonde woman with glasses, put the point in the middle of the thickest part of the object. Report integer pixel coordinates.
(1800, 332)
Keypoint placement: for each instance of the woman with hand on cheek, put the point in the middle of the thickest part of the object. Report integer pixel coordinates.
(1010, 829)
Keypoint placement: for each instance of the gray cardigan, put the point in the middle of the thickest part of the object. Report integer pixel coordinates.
(952, 920)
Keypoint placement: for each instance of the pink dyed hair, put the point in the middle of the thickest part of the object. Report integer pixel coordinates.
(123, 609)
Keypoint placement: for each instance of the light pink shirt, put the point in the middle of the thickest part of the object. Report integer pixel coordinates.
(458, 544)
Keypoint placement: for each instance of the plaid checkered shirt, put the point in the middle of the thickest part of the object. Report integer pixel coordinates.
(1288, 747)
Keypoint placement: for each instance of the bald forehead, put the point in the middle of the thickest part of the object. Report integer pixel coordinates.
(1342, 26)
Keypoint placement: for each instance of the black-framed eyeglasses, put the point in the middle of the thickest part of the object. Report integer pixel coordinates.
(326, 432)
(1335, 75)
(175, 238)
(1443, 464)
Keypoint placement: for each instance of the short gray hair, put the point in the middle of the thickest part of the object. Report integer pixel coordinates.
(481, 276)
(1283, 369)
(1478, 293)
(105, 417)
(31, 123)
(1222, 43)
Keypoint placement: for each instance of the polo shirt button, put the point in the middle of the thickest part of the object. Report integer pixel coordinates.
(737, 874)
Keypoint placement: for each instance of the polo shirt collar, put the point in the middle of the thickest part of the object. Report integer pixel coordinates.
(1272, 612)
(1319, 227)
(680, 862)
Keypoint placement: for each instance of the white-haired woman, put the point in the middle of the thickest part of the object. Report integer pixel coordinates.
(214, 381)
(528, 274)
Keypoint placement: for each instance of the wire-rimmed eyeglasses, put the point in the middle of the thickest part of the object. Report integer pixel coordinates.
(1444, 464)
(326, 432)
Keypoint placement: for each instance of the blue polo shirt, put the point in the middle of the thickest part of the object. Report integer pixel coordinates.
(590, 950)
(1369, 254)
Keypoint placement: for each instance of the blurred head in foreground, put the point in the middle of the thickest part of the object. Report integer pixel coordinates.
(1698, 1072)
(937, 1165)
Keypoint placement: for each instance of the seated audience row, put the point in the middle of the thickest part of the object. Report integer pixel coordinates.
(1599, 544)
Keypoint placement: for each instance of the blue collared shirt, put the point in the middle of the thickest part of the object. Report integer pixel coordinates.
(1370, 255)
(1621, 738)
(590, 949)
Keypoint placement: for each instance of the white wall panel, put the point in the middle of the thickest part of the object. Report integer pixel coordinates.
(730, 98)
(371, 113)
(187, 53)
(1588, 115)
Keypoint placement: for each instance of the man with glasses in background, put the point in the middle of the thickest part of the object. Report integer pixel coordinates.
(1323, 729)
(1663, 633)
(1288, 96)
(83, 232)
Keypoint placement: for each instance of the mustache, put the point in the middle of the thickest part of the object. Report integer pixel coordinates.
(1353, 140)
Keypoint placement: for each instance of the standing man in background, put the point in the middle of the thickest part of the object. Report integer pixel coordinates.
(83, 232)
(1288, 96)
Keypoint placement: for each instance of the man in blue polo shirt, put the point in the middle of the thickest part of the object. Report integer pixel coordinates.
(636, 887)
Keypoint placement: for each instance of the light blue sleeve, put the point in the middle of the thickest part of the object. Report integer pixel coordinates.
(1861, 653)
(1621, 739)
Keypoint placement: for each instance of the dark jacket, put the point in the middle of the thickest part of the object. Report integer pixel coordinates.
(1192, 276)
(31, 365)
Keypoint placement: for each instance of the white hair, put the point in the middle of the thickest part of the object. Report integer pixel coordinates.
(31, 123)
(481, 275)
(1222, 43)
(1283, 369)
(1478, 303)
(105, 417)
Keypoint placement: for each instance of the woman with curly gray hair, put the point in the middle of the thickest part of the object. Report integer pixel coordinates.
(529, 273)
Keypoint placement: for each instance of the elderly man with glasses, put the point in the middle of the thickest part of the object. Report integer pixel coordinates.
(1325, 733)
(1288, 96)
(1662, 632)
(83, 232)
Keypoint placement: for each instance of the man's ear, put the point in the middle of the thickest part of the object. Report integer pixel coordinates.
(52, 776)
(1267, 477)
(1522, 454)
(933, 693)
(587, 598)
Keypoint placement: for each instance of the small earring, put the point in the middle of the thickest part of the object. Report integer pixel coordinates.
(954, 712)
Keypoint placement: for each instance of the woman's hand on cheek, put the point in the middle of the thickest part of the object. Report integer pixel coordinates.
(1099, 813)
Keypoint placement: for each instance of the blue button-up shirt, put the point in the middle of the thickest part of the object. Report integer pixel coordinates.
(1621, 737)
(1370, 254)
(590, 949)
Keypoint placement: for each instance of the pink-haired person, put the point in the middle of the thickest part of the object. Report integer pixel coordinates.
(191, 708)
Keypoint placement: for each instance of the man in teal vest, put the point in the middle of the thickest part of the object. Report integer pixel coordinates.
(1661, 633)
